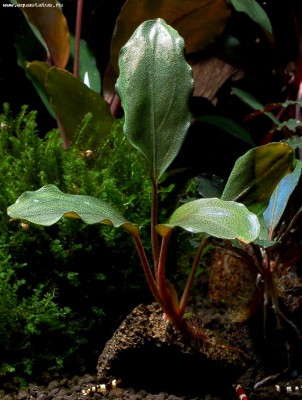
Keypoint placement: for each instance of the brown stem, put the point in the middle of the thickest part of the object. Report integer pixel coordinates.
(154, 234)
(147, 271)
(161, 271)
(189, 283)
(78, 38)
(297, 83)
(65, 140)
(166, 306)
(289, 227)
(257, 257)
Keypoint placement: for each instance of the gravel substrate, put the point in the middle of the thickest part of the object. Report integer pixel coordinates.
(71, 389)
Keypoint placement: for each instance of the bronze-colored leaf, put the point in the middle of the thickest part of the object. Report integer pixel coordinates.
(47, 17)
(199, 22)
(71, 101)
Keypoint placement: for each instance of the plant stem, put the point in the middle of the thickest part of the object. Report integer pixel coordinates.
(271, 293)
(154, 235)
(161, 275)
(78, 38)
(297, 83)
(166, 304)
(187, 290)
(147, 270)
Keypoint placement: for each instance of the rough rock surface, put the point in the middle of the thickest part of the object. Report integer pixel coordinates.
(158, 358)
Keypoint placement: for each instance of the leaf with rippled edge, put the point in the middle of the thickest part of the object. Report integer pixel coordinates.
(48, 204)
(154, 86)
(257, 173)
(214, 217)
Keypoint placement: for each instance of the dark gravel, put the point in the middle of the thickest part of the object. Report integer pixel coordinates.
(71, 389)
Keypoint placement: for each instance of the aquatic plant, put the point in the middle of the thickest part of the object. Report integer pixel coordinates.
(154, 85)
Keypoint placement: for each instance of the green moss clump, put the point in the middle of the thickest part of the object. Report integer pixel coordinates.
(58, 285)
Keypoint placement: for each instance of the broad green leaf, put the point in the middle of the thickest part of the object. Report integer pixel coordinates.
(280, 197)
(49, 24)
(251, 101)
(228, 126)
(215, 217)
(48, 204)
(72, 100)
(254, 11)
(154, 86)
(257, 173)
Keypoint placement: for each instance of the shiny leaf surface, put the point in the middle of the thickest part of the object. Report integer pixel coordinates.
(154, 86)
(48, 204)
(215, 217)
(257, 173)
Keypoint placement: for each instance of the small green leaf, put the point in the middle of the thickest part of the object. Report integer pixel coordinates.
(88, 65)
(295, 142)
(48, 204)
(255, 104)
(215, 217)
(291, 124)
(154, 85)
(228, 126)
(257, 173)
(255, 12)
